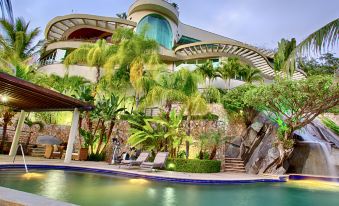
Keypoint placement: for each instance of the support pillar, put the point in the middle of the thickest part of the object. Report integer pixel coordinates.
(72, 135)
(17, 134)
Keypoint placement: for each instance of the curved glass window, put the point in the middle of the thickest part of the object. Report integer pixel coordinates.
(158, 29)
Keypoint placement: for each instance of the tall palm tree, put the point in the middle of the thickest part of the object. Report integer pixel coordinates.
(137, 53)
(207, 71)
(251, 74)
(94, 55)
(319, 41)
(194, 104)
(18, 41)
(229, 69)
(172, 88)
(7, 10)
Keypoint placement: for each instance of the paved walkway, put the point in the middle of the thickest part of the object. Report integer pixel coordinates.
(4, 160)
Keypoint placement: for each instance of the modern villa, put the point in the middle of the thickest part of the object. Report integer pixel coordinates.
(181, 45)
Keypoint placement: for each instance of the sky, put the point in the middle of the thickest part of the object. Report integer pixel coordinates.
(261, 23)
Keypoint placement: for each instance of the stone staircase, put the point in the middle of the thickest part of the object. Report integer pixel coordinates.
(234, 165)
(38, 151)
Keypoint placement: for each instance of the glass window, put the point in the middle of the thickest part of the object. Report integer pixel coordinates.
(159, 29)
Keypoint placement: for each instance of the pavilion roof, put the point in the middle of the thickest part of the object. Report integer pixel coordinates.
(23, 95)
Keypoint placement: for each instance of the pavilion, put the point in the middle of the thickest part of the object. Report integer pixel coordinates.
(23, 96)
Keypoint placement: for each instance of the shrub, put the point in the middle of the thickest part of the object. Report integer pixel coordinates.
(96, 157)
(330, 124)
(193, 165)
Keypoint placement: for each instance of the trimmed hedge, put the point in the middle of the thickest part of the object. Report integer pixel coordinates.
(193, 165)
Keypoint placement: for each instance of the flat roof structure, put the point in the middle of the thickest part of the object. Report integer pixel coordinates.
(22, 95)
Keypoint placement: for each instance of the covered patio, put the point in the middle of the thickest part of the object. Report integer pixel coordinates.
(23, 96)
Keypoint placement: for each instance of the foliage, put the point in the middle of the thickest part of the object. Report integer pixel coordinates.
(94, 55)
(209, 143)
(319, 41)
(7, 114)
(282, 58)
(229, 69)
(326, 64)
(17, 40)
(235, 103)
(158, 133)
(7, 10)
(295, 103)
(207, 71)
(193, 166)
(211, 95)
(330, 124)
(251, 74)
(137, 54)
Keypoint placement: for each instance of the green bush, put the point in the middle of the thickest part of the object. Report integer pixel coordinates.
(193, 165)
(330, 124)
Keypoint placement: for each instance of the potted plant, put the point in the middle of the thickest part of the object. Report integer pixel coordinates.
(84, 150)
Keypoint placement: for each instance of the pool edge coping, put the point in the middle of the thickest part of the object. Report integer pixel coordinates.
(282, 178)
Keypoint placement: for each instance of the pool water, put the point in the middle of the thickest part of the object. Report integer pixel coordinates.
(100, 190)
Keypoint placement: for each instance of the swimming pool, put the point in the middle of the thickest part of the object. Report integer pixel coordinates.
(98, 189)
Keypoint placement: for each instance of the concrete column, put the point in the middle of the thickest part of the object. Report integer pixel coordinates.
(17, 134)
(72, 135)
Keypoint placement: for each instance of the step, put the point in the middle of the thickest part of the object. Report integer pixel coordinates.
(235, 167)
(235, 170)
(234, 162)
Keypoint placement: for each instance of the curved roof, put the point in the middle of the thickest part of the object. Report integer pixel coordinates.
(60, 27)
(160, 6)
(249, 54)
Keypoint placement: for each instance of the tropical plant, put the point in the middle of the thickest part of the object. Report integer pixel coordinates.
(94, 55)
(251, 74)
(18, 41)
(159, 133)
(7, 10)
(326, 64)
(172, 88)
(211, 95)
(235, 104)
(294, 104)
(137, 54)
(330, 124)
(100, 123)
(318, 42)
(207, 71)
(229, 69)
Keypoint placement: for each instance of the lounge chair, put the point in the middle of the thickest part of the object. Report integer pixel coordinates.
(142, 158)
(159, 161)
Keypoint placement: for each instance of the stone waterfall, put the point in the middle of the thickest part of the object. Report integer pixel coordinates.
(316, 151)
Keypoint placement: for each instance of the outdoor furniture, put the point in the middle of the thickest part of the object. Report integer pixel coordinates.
(159, 161)
(142, 158)
(51, 153)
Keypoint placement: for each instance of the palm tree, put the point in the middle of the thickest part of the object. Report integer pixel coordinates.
(229, 69)
(251, 74)
(281, 57)
(319, 41)
(94, 55)
(6, 8)
(193, 105)
(137, 53)
(17, 40)
(207, 71)
(172, 88)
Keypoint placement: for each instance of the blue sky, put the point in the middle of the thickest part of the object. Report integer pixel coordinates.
(258, 22)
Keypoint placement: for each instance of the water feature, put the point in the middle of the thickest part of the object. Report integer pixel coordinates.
(23, 156)
(95, 189)
(313, 136)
